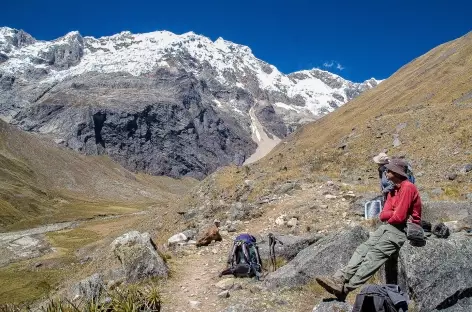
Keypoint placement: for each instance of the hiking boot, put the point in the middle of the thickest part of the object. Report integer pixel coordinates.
(333, 286)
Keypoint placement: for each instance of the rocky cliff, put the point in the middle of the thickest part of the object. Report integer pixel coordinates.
(161, 103)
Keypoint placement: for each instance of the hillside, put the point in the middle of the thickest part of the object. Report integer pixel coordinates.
(316, 181)
(42, 183)
(422, 112)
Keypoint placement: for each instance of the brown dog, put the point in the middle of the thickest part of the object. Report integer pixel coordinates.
(211, 234)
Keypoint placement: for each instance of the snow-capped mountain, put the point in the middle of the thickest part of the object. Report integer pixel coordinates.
(227, 77)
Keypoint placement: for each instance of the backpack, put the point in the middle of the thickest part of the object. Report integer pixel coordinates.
(409, 173)
(381, 298)
(244, 259)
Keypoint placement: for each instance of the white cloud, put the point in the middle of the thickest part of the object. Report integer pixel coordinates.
(328, 64)
(333, 64)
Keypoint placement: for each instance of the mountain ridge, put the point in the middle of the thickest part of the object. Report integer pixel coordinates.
(164, 42)
(138, 97)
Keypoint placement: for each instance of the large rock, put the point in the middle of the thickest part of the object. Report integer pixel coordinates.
(439, 275)
(435, 212)
(177, 239)
(322, 258)
(210, 234)
(292, 245)
(138, 256)
(332, 306)
(89, 289)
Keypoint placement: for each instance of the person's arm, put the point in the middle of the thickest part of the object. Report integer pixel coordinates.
(387, 211)
(405, 199)
(388, 188)
(386, 184)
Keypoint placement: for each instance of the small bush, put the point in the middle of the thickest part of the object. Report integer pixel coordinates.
(451, 192)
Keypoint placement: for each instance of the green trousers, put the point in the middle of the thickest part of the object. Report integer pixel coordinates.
(370, 255)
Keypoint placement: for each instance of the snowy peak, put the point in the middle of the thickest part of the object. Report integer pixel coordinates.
(229, 64)
(14, 39)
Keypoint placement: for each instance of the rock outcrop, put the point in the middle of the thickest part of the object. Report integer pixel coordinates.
(89, 289)
(161, 126)
(321, 258)
(438, 275)
(332, 306)
(290, 247)
(138, 256)
(208, 235)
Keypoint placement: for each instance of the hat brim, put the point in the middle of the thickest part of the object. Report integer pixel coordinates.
(398, 170)
(379, 161)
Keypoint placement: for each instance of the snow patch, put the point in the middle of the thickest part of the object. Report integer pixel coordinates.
(287, 107)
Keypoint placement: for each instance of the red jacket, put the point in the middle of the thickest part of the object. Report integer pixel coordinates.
(402, 202)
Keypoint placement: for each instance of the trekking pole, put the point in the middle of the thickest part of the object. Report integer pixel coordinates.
(272, 241)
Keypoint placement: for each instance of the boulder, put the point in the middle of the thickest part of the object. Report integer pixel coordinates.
(293, 222)
(321, 258)
(212, 233)
(438, 275)
(225, 284)
(224, 294)
(292, 245)
(466, 168)
(190, 233)
(452, 176)
(138, 256)
(332, 306)
(281, 220)
(441, 211)
(287, 187)
(195, 305)
(88, 289)
(457, 226)
(177, 239)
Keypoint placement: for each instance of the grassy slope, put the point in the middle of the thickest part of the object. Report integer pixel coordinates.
(42, 183)
(432, 96)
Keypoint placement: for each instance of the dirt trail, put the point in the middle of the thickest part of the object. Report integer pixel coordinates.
(194, 274)
(193, 286)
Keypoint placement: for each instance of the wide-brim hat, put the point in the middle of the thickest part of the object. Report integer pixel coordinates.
(381, 159)
(397, 166)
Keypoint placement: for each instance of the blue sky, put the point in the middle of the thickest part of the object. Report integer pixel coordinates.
(356, 40)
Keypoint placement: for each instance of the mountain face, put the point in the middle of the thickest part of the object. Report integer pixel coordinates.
(159, 102)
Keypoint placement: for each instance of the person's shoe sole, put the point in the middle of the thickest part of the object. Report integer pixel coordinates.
(339, 295)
